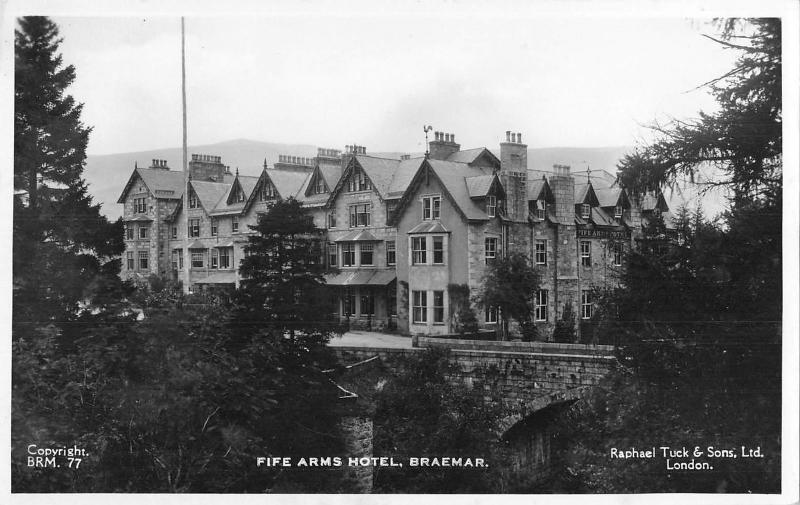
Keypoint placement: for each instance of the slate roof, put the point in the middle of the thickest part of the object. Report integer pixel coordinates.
(453, 177)
(469, 156)
(157, 179)
(380, 171)
(429, 227)
(358, 236)
(536, 187)
(479, 186)
(362, 277)
(404, 172)
(331, 174)
(287, 182)
(210, 193)
(608, 197)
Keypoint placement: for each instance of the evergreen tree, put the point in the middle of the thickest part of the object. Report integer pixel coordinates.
(510, 284)
(64, 249)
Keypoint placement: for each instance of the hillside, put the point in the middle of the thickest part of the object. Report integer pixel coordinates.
(107, 174)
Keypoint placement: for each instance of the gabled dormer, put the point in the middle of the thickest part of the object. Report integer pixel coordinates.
(540, 199)
(236, 194)
(585, 201)
(614, 201)
(487, 191)
(317, 185)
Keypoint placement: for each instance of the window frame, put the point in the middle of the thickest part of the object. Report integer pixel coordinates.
(541, 209)
(194, 254)
(586, 255)
(348, 253)
(391, 253)
(214, 263)
(129, 232)
(486, 250)
(431, 207)
(144, 260)
(194, 202)
(331, 218)
(618, 210)
(194, 227)
(419, 256)
(369, 248)
(234, 224)
(617, 253)
(332, 252)
(490, 315)
(144, 232)
(586, 211)
(540, 256)
(140, 205)
(438, 309)
(491, 205)
(440, 240)
(368, 296)
(174, 232)
(225, 253)
(540, 306)
(131, 260)
(586, 304)
(419, 305)
(355, 215)
(214, 227)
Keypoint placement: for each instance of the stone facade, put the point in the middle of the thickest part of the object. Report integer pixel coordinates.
(576, 231)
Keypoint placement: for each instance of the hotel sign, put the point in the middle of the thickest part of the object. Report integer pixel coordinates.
(601, 233)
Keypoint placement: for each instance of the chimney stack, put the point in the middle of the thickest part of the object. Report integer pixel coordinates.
(204, 167)
(443, 145)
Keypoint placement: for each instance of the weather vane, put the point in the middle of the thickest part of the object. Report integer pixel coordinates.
(426, 129)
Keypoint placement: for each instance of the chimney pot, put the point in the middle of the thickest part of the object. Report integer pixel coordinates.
(519, 138)
(508, 135)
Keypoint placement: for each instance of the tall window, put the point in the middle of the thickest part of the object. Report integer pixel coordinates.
(225, 257)
(174, 232)
(194, 227)
(618, 251)
(319, 186)
(213, 227)
(144, 232)
(129, 231)
(266, 192)
(431, 207)
(193, 202)
(358, 181)
(359, 215)
(348, 302)
(391, 255)
(491, 206)
(239, 195)
(214, 258)
(438, 306)
(586, 304)
(348, 254)
(131, 261)
(367, 304)
(331, 254)
(235, 224)
(540, 306)
(490, 249)
(586, 210)
(420, 306)
(541, 209)
(332, 219)
(491, 315)
(366, 253)
(177, 259)
(140, 205)
(618, 211)
(418, 251)
(197, 259)
(438, 250)
(586, 253)
(144, 260)
(541, 252)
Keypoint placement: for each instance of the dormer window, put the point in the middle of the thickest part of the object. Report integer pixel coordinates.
(319, 187)
(239, 195)
(586, 210)
(618, 211)
(540, 209)
(193, 202)
(491, 206)
(267, 192)
(358, 181)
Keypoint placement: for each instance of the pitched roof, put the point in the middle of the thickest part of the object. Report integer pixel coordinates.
(429, 227)
(537, 188)
(247, 183)
(608, 197)
(470, 156)
(403, 174)
(210, 193)
(287, 182)
(380, 172)
(168, 183)
(479, 185)
(453, 177)
(358, 236)
(331, 174)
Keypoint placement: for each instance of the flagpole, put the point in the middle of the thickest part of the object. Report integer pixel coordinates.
(186, 255)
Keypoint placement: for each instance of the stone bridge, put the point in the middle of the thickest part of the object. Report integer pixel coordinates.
(528, 376)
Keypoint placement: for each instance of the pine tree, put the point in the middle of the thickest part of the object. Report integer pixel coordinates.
(64, 249)
(510, 284)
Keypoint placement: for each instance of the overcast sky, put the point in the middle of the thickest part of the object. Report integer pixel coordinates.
(374, 78)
